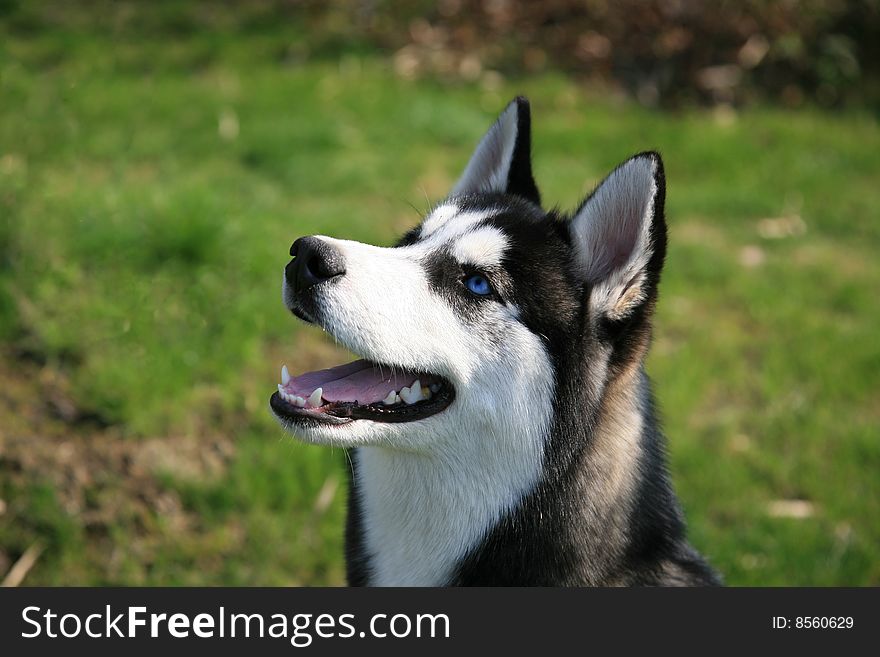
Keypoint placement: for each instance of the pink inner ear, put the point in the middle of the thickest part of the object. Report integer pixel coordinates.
(610, 244)
(624, 241)
(609, 225)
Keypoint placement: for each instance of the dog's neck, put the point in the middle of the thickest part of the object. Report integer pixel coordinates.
(605, 476)
(423, 515)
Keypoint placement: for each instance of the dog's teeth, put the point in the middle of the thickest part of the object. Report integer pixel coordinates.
(412, 394)
(281, 390)
(435, 387)
(314, 399)
(426, 392)
(392, 398)
(285, 375)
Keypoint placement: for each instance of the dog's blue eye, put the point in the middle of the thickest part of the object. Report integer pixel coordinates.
(478, 284)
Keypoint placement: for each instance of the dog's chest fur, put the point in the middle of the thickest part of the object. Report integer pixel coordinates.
(421, 515)
(418, 518)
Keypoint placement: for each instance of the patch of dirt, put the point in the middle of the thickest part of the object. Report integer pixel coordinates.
(100, 477)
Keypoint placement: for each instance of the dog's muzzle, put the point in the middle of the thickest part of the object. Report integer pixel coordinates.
(361, 390)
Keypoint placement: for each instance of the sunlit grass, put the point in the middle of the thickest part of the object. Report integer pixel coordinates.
(148, 198)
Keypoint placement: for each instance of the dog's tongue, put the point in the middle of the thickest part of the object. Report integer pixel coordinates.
(361, 381)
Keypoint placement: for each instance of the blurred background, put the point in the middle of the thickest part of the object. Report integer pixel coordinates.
(157, 160)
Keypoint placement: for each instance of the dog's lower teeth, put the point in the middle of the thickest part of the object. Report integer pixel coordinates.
(412, 394)
(408, 395)
(315, 398)
(285, 395)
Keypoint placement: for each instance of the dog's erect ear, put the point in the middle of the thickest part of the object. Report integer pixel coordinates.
(503, 159)
(619, 235)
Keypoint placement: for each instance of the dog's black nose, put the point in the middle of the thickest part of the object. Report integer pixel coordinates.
(314, 261)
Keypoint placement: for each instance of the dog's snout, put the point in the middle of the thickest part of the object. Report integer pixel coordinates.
(314, 261)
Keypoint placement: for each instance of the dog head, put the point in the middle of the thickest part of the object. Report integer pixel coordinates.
(467, 325)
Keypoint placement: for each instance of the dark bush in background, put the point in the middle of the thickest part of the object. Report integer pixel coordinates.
(662, 52)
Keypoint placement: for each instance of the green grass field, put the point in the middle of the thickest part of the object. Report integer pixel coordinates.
(150, 189)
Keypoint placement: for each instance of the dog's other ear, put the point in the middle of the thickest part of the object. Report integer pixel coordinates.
(503, 159)
(619, 236)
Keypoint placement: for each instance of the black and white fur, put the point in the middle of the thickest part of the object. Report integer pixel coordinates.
(548, 468)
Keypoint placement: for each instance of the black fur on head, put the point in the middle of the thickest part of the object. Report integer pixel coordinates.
(520, 180)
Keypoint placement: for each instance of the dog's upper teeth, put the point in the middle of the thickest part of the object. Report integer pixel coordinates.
(412, 394)
(434, 387)
(392, 398)
(285, 375)
(426, 392)
(314, 399)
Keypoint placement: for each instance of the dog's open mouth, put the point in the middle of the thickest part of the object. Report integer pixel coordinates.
(361, 390)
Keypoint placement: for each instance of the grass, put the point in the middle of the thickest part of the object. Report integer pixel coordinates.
(150, 188)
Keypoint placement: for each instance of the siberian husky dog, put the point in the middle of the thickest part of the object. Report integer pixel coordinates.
(500, 423)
